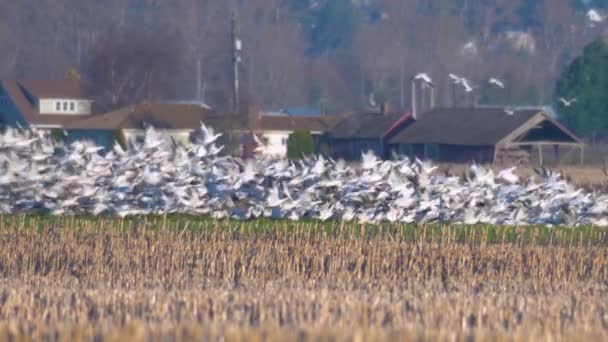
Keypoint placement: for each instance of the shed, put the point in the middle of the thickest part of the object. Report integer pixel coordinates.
(482, 135)
(361, 132)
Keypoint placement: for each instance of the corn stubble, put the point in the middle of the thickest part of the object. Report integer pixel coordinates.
(94, 281)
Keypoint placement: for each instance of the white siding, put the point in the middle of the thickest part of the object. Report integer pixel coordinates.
(181, 136)
(276, 142)
(66, 106)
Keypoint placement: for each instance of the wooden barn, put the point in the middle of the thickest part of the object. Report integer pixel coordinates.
(483, 135)
(361, 132)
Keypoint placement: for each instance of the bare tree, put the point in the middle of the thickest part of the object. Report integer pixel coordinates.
(45, 39)
(127, 68)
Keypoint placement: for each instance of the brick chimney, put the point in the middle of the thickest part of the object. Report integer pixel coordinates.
(385, 108)
(255, 118)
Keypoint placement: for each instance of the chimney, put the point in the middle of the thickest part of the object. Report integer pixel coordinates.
(385, 108)
(255, 118)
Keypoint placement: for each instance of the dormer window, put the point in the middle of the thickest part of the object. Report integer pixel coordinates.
(65, 106)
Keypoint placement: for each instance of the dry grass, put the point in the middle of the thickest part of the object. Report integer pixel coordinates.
(592, 177)
(97, 282)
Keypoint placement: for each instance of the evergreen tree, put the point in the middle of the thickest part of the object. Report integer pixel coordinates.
(336, 27)
(586, 80)
(529, 12)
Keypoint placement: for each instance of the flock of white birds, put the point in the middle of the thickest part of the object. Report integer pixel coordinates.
(158, 176)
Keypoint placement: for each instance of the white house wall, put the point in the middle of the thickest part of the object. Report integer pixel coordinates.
(180, 136)
(49, 106)
(276, 143)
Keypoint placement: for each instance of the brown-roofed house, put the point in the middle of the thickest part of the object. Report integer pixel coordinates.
(174, 119)
(42, 103)
(482, 135)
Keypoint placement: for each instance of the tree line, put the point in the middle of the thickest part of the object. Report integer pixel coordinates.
(334, 55)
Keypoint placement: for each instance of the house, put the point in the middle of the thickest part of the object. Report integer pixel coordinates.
(274, 130)
(42, 103)
(482, 135)
(175, 120)
(361, 132)
(301, 111)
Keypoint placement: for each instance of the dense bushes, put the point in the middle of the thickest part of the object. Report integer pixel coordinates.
(57, 134)
(119, 138)
(300, 143)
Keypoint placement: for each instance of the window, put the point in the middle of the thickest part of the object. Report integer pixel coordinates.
(406, 150)
(58, 106)
(65, 106)
(431, 151)
(284, 141)
(72, 107)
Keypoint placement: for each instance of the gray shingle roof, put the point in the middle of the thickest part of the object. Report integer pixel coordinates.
(365, 125)
(295, 123)
(463, 126)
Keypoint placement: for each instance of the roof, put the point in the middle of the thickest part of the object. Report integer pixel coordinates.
(191, 102)
(227, 123)
(53, 89)
(547, 109)
(159, 115)
(368, 125)
(16, 90)
(295, 123)
(465, 126)
(301, 111)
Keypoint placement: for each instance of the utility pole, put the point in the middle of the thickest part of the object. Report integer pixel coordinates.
(414, 114)
(236, 59)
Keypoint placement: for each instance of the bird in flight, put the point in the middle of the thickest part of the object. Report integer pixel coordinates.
(456, 79)
(594, 16)
(424, 77)
(467, 86)
(496, 82)
(567, 103)
(510, 111)
(461, 80)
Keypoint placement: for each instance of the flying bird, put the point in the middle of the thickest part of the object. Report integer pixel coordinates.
(594, 16)
(456, 79)
(372, 100)
(467, 86)
(509, 110)
(462, 81)
(156, 177)
(567, 103)
(424, 77)
(496, 82)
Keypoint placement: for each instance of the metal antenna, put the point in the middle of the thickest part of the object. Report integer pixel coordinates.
(237, 46)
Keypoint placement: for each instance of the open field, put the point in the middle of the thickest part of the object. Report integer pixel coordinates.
(149, 278)
(591, 177)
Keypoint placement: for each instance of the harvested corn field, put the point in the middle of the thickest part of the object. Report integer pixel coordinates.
(70, 279)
